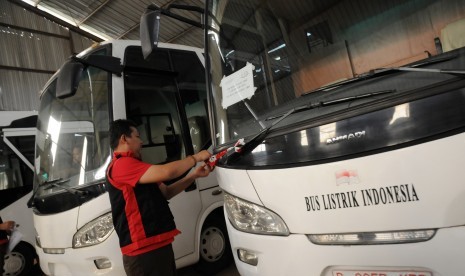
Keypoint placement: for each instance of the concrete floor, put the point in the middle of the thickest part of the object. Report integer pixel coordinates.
(190, 271)
(186, 271)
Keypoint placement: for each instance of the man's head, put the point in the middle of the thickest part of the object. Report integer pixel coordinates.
(124, 136)
(77, 155)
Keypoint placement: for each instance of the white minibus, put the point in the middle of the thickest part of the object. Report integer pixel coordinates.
(353, 118)
(166, 96)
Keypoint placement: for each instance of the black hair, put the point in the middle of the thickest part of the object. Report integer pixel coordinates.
(118, 128)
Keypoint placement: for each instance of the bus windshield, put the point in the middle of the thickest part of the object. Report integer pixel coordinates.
(268, 57)
(72, 148)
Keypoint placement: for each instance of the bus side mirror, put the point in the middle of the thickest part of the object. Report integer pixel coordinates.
(68, 79)
(149, 30)
(150, 24)
(70, 73)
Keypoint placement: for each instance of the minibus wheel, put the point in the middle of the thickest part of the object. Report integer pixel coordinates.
(215, 250)
(19, 261)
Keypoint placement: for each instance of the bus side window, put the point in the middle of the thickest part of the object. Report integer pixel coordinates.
(192, 88)
(173, 147)
(197, 131)
(6, 174)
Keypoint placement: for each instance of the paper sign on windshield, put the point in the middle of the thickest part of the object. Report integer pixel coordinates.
(238, 86)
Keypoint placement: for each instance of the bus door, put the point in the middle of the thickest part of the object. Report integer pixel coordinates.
(152, 102)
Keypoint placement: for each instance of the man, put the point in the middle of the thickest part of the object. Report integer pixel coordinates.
(77, 157)
(5, 230)
(76, 166)
(141, 215)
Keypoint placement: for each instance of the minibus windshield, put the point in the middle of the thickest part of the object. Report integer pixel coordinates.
(72, 148)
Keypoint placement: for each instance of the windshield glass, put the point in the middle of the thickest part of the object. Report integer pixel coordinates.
(72, 138)
(266, 55)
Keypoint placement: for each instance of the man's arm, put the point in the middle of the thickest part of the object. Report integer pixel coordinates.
(7, 226)
(161, 173)
(180, 185)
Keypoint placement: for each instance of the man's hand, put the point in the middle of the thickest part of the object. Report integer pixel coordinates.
(201, 156)
(180, 185)
(7, 225)
(202, 171)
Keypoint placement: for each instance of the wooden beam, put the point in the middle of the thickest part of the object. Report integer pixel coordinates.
(23, 69)
(92, 13)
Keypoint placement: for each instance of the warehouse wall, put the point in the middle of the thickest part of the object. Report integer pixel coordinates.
(32, 48)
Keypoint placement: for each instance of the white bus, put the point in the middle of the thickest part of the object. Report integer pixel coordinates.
(17, 135)
(353, 116)
(166, 96)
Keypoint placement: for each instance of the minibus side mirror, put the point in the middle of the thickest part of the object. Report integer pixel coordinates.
(70, 73)
(150, 24)
(68, 79)
(149, 30)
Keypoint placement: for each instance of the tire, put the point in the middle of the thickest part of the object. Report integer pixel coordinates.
(215, 249)
(20, 261)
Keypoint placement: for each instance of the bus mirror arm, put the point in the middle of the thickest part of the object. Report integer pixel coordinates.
(150, 24)
(107, 63)
(194, 23)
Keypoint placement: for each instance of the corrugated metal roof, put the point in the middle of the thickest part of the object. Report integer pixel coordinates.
(33, 45)
(119, 19)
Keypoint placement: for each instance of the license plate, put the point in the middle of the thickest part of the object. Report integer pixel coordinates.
(380, 273)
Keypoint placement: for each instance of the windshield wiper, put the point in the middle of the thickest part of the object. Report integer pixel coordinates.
(30, 201)
(70, 190)
(255, 141)
(390, 70)
(259, 137)
(333, 102)
(49, 183)
(55, 183)
(380, 71)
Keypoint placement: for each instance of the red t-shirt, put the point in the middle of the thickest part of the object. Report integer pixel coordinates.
(128, 171)
(3, 235)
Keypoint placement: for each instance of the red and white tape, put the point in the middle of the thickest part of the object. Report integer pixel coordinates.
(215, 158)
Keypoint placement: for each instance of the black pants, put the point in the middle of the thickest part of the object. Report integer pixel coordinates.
(3, 248)
(159, 262)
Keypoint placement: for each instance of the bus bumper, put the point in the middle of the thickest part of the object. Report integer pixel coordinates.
(296, 255)
(83, 261)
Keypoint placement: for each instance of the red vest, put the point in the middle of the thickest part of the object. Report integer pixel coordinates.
(141, 215)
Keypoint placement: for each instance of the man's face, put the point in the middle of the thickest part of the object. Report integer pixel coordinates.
(134, 141)
(77, 155)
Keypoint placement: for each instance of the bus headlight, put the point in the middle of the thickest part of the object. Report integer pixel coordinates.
(248, 217)
(94, 232)
(365, 238)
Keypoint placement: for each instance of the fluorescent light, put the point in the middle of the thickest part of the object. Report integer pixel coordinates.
(57, 15)
(68, 20)
(277, 48)
(29, 2)
(95, 33)
(232, 51)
